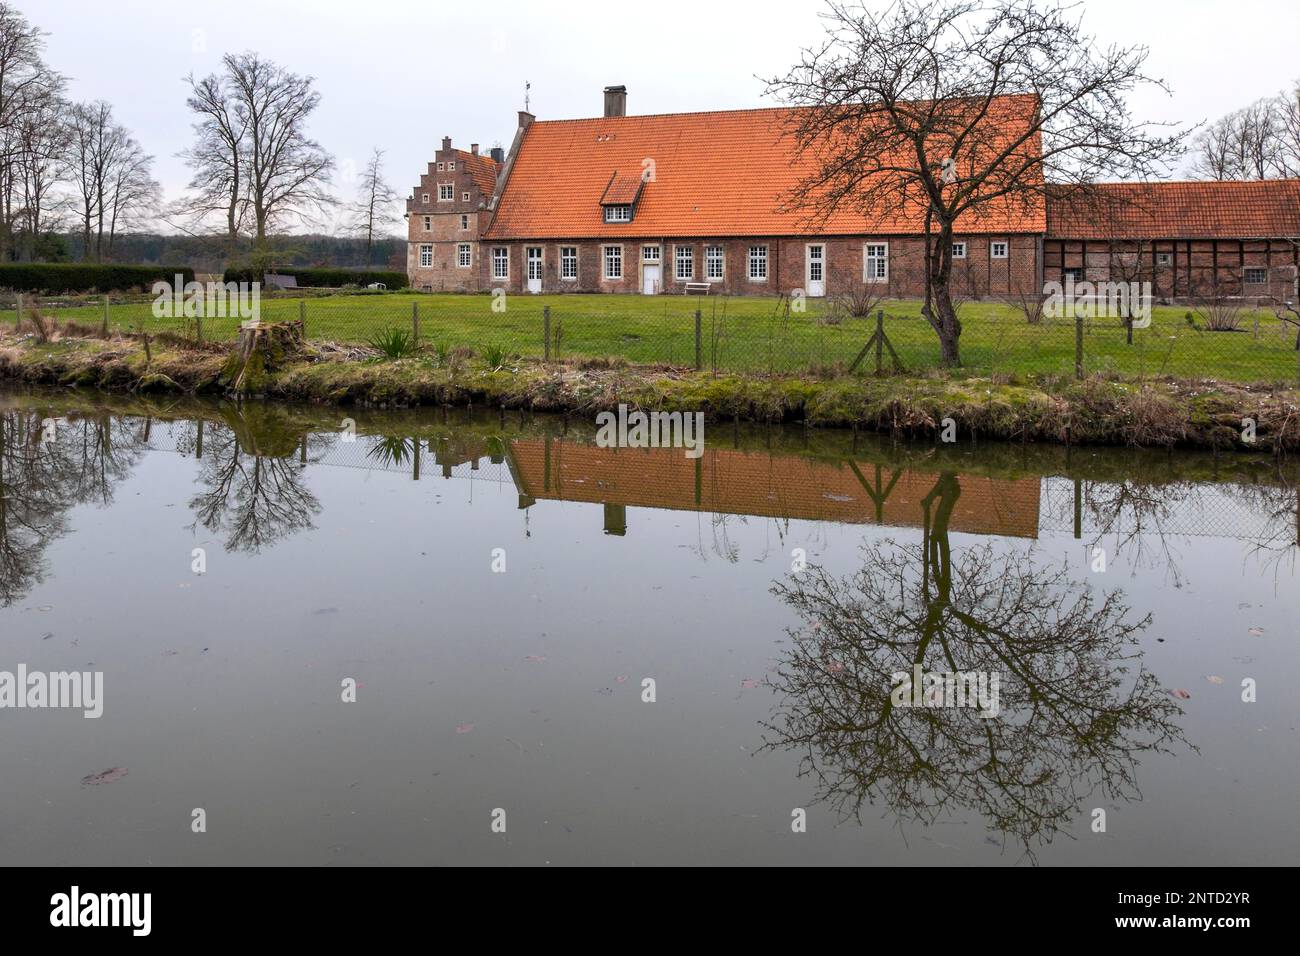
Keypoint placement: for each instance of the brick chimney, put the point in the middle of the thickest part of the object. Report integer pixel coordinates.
(525, 118)
(473, 149)
(616, 101)
(446, 144)
(498, 154)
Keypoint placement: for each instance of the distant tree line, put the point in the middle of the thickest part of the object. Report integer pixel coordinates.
(1259, 141)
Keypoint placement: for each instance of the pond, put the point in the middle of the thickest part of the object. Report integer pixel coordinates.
(341, 637)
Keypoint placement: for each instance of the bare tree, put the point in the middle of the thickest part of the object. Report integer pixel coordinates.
(41, 140)
(1246, 144)
(374, 208)
(110, 176)
(288, 172)
(220, 182)
(956, 110)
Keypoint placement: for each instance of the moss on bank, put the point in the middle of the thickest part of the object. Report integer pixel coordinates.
(1094, 411)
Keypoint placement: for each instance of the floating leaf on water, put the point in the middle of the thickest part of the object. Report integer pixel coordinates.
(1256, 631)
(1180, 693)
(835, 667)
(606, 691)
(326, 610)
(621, 679)
(104, 776)
(749, 683)
(535, 658)
(48, 635)
(464, 728)
(1214, 679)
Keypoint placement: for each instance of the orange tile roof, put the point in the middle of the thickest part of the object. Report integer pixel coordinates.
(482, 169)
(714, 174)
(1260, 209)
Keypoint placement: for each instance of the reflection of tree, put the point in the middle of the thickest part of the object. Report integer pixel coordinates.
(253, 499)
(44, 473)
(1076, 708)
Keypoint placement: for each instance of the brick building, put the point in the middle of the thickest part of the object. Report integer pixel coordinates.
(654, 204)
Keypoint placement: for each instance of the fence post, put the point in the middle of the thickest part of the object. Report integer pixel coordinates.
(546, 333)
(198, 327)
(699, 342)
(103, 325)
(18, 313)
(1078, 346)
(415, 323)
(880, 341)
(302, 316)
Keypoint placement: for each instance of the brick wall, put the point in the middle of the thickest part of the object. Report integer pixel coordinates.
(435, 223)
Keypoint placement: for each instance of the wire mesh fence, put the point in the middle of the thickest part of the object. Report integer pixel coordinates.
(733, 335)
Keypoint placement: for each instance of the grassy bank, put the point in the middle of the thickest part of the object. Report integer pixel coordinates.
(1097, 410)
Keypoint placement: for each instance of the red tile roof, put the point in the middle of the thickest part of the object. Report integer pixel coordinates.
(1177, 210)
(482, 169)
(714, 174)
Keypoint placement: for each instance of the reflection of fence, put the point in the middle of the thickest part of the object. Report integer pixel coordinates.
(751, 335)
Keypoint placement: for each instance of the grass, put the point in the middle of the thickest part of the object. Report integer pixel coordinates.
(753, 334)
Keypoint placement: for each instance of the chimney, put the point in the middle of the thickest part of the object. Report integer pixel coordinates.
(498, 154)
(525, 118)
(616, 101)
(446, 144)
(473, 149)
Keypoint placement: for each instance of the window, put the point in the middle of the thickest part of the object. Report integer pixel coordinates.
(446, 192)
(463, 255)
(464, 221)
(713, 262)
(424, 197)
(568, 262)
(649, 253)
(959, 250)
(426, 256)
(428, 224)
(997, 250)
(441, 167)
(1074, 272)
(451, 166)
(1256, 276)
(613, 262)
(500, 262)
(758, 263)
(618, 213)
(1163, 258)
(875, 262)
(464, 197)
(684, 257)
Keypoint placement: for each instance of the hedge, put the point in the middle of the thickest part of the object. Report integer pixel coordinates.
(325, 278)
(59, 278)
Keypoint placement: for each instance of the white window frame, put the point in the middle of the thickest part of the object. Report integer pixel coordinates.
(464, 197)
(426, 255)
(955, 247)
(464, 255)
(619, 213)
(993, 249)
(451, 165)
(881, 257)
(605, 261)
(647, 250)
(441, 167)
(757, 257)
(1164, 258)
(720, 259)
(500, 256)
(565, 259)
(1247, 270)
(424, 198)
(450, 189)
(428, 224)
(464, 220)
(678, 259)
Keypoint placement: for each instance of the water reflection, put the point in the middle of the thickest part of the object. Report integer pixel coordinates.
(1077, 709)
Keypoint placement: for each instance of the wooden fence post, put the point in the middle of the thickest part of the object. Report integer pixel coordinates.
(1078, 346)
(302, 316)
(415, 323)
(880, 341)
(546, 333)
(699, 341)
(18, 313)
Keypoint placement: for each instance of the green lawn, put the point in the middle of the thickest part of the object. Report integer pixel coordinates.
(750, 334)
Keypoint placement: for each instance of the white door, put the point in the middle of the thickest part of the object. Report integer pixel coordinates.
(534, 268)
(816, 286)
(650, 279)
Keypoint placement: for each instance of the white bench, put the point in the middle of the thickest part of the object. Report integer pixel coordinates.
(697, 288)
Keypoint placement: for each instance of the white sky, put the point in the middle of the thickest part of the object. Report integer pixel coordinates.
(401, 74)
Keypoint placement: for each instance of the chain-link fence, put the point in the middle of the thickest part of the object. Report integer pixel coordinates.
(732, 335)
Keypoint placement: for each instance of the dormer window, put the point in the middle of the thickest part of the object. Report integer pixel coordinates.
(618, 213)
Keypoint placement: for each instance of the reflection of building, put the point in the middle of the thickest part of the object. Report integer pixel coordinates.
(728, 481)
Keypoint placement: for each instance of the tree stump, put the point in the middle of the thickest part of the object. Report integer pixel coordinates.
(261, 349)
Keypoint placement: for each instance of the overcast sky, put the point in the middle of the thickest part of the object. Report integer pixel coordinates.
(401, 74)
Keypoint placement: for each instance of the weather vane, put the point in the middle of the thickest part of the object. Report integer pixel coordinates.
(527, 86)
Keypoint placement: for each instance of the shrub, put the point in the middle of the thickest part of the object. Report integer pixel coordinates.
(494, 356)
(324, 278)
(394, 343)
(62, 278)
